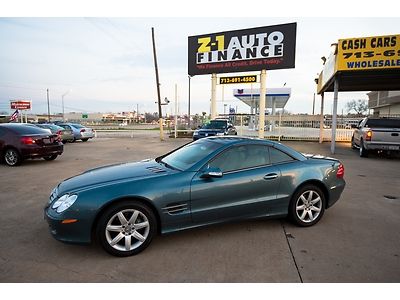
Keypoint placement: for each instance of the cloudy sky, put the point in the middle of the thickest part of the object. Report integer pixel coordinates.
(106, 64)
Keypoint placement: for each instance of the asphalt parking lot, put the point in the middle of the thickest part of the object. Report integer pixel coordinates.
(357, 240)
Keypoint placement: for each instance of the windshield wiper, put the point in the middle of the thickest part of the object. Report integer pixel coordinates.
(168, 165)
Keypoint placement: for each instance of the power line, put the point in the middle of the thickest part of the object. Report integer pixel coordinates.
(109, 34)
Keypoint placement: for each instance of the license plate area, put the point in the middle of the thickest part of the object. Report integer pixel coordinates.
(47, 141)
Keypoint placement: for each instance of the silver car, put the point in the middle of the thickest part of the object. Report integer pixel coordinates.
(80, 132)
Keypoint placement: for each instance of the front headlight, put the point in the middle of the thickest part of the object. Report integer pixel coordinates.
(64, 202)
(196, 132)
(220, 133)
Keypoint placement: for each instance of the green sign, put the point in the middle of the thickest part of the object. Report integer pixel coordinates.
(84, 116)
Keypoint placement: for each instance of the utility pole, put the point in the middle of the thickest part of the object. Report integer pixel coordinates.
(48, 106)
(160, 120)
(176, 111)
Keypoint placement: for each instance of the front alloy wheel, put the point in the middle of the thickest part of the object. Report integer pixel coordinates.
(126, 229)
(307, 206)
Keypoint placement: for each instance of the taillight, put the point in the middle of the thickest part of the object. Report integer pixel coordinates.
(26, 140)
(340, 171)
(368, 136)
(59, 132)
(83, 130)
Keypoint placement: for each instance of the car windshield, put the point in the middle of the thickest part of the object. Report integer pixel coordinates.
(185, 157)
(215, 125)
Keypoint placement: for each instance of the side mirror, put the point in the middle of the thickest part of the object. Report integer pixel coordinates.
(212, 173)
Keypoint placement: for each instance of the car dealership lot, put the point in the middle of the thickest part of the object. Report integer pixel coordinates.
(357, 240)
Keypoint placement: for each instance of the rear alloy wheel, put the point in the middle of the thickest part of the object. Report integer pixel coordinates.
(363, 151)
(126, 228)
(51, 157)
(12, 157)
(85, 140)
(307, 206)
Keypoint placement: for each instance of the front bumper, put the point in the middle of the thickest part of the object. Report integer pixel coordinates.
(73, 233)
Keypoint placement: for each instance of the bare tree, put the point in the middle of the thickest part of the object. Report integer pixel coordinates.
(360, 107)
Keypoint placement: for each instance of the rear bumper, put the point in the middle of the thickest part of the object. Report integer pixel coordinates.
(67, 137)
(35, 151)
(335, 193)
(376, 146)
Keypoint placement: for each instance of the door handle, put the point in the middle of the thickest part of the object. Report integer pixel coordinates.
(271, 176)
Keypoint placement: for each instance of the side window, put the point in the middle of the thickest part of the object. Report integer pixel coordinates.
(278, 156)
(1, 132)
(241, 157)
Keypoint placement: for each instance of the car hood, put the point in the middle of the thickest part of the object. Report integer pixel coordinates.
(113, 173)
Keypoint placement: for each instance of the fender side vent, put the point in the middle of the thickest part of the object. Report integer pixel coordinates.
(175, 208)
(155, 169)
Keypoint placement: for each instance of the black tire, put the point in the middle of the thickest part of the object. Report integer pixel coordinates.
(363, 151)
(73, 141)
(85, 140)
(12, 157)
(51, 157)
(301, 217)
(127, 232)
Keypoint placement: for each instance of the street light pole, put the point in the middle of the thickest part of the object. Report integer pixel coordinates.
(62, 101)
(48, 106)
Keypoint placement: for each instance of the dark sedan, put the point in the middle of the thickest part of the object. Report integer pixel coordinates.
(218, 127)
(64, 135)
(208, 181)
(19, 142)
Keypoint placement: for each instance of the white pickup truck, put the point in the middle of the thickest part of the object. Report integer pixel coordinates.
(376, 134)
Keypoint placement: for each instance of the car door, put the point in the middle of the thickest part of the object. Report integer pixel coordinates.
(358, 132)
(248, 183)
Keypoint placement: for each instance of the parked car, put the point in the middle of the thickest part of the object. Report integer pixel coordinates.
(208, 181)
(79, 131)
(218, 127)
(21, 141)
(376, 134)
(64, 135)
